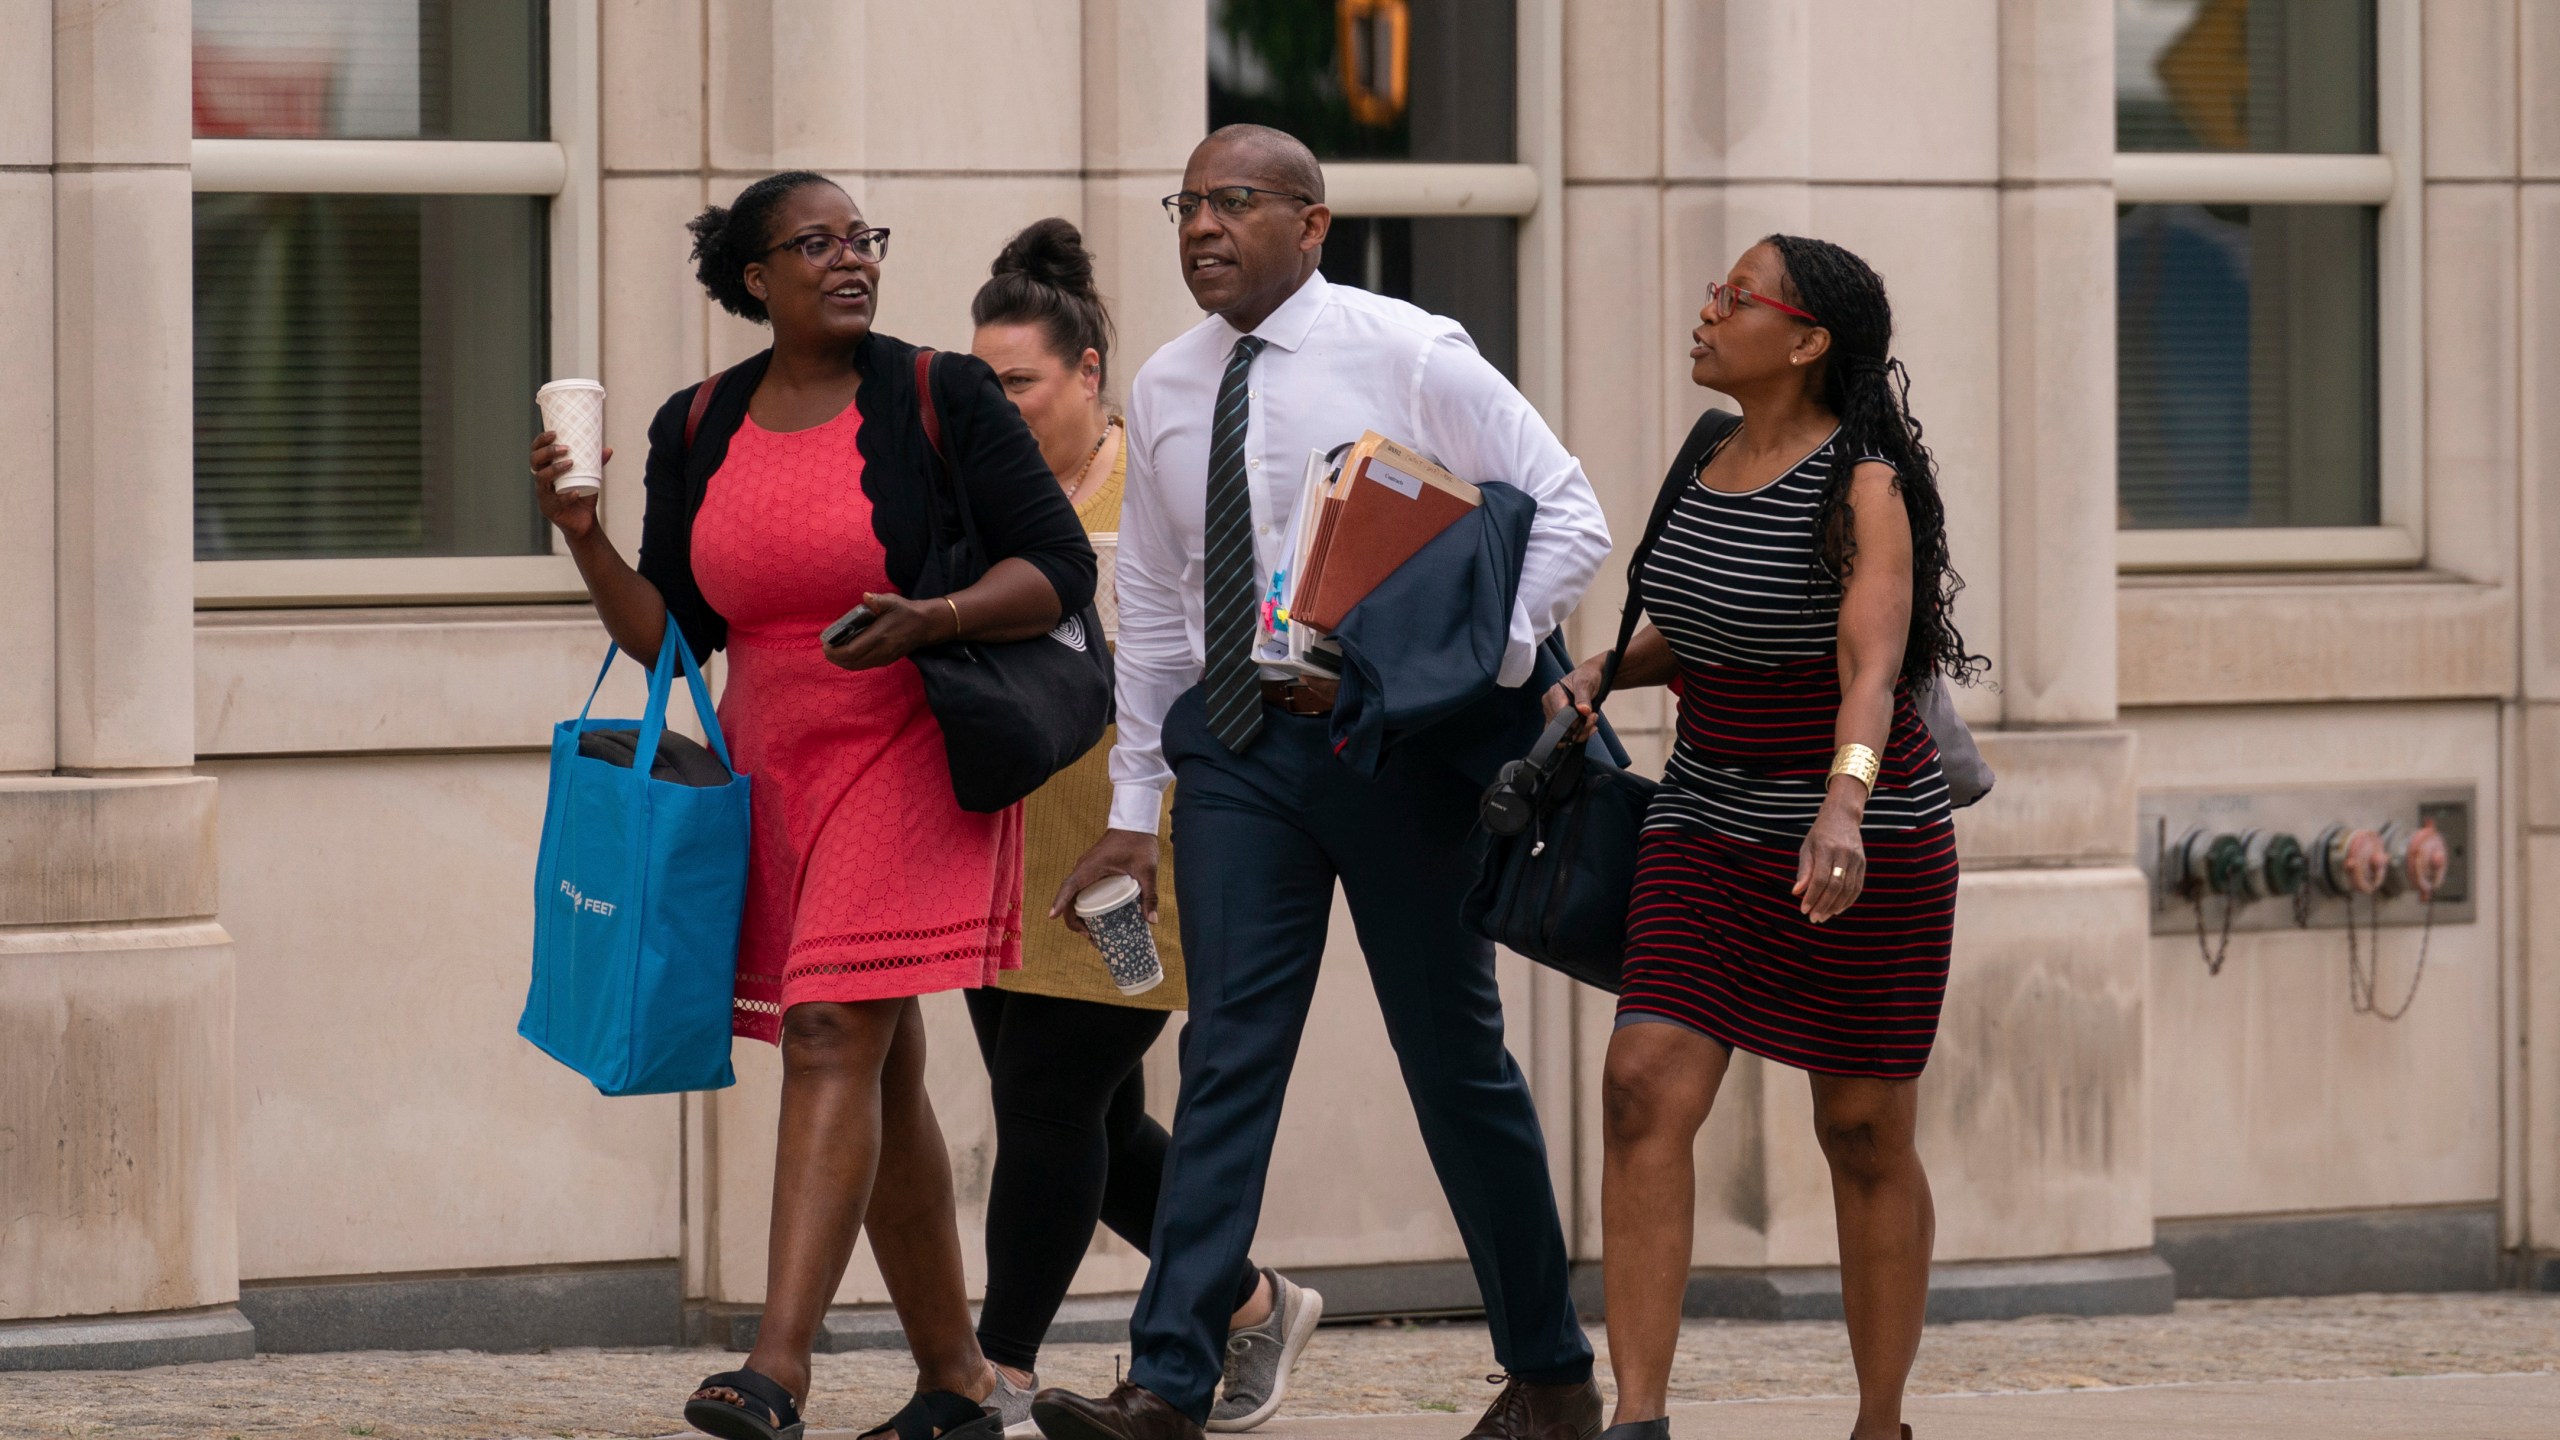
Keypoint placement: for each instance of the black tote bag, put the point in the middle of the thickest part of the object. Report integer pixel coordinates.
(1013, 713)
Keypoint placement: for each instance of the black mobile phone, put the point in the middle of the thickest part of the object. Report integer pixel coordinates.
(847, 625)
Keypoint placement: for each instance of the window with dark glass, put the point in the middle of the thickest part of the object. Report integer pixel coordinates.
(1432, 81)
(365, 364)
(2247, 336)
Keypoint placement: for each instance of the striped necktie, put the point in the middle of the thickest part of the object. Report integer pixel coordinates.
(1232, 588)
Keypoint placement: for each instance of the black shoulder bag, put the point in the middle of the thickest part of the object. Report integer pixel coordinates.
(1013, 713)
(1564, 823)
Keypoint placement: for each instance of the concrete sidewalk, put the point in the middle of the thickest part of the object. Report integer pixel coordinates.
(2490, 1407)
(2274, 1367)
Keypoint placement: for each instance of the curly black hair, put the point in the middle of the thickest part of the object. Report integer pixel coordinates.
(727, 240)
(1044, 277)
(1871, 394)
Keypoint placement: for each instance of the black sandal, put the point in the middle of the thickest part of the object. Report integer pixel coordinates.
(940, 1415)
(730, 1420)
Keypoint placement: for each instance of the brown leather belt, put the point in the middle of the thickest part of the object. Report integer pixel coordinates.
(1301, 697)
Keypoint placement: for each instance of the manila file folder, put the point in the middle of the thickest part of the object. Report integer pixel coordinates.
(1386, 503)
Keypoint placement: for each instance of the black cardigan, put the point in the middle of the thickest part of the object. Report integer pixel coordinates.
(1020, 510)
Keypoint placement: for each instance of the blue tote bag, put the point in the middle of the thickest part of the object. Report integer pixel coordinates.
(636, 904)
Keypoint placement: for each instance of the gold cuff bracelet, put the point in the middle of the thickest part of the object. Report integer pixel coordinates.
(1857, 761)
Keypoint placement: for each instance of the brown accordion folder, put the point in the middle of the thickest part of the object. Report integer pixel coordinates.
(1383, 506)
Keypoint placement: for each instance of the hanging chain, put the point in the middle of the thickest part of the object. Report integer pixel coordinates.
(2215, 952)
(2364, 972)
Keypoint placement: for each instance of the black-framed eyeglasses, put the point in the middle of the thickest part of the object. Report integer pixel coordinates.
(1232, 201)
(827, 251)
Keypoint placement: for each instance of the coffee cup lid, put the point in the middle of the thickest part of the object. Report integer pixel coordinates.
(1106, 895)
(569, 385)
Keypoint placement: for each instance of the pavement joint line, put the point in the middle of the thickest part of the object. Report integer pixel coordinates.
(1809, 1399)
(1931, 1397)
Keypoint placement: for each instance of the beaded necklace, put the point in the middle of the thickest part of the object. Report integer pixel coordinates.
(1084, 472)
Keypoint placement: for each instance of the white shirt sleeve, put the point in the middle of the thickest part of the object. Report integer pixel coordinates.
(1154, 659)
(1472, 419)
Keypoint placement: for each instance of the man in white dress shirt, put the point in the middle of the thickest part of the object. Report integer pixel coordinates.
(1220, 422)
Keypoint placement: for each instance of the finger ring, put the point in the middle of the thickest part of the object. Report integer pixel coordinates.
(1839, 870)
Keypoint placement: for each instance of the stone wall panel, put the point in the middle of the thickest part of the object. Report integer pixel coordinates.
(117, 1145)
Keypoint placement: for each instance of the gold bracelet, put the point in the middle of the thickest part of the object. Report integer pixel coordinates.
(1858, 762)
(955, 615)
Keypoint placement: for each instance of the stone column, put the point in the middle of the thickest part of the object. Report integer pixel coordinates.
(1145, 93)
(26, 386)
(2533, 1221)
(116, 1121)
(2056, 612)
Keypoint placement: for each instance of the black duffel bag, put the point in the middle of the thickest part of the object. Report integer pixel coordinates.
(1562, 861)
(1013, 713)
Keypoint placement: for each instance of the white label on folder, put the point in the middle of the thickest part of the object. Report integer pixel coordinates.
(1394, 479)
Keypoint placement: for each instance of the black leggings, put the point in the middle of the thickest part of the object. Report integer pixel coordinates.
(1074, 1145)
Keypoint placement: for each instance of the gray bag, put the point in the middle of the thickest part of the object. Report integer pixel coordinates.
(1968, 778)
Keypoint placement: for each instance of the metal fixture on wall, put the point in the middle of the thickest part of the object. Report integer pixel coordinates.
(2402, 854)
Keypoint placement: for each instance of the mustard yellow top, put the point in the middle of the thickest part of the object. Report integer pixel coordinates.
(1060, 822)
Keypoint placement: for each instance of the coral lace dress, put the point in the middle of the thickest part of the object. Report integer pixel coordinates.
(867, 880)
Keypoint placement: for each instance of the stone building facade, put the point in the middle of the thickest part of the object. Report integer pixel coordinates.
(271, 765)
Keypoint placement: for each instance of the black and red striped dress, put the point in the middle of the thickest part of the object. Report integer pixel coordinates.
(1715, 939)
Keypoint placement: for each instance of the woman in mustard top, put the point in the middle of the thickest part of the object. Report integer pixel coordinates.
(1063, 1046)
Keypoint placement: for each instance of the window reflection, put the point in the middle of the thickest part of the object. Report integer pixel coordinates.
(364, 374)
(1418, 79)
(369, 69)
(1386, 80)
(2246, 366)
(2245, 75)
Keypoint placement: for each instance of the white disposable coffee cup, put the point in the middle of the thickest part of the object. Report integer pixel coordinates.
(574, 411)
(1114, 913)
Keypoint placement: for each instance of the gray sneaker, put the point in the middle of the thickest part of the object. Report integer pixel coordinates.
(1012, 1404)
(1258, 1359)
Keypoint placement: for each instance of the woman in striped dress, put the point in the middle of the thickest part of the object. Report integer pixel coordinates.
(1796, 882)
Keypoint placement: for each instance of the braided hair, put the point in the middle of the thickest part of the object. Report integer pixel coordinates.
(728, 240)
(1870, 392)
(1044, 277)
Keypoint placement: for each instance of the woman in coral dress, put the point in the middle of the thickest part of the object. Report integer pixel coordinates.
(781, 495)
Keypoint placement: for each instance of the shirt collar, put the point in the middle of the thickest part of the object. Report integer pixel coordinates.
(1287, 326)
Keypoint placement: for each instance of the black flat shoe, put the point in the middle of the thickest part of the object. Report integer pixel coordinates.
(768, 1413)
(940, 1415)
(1658, 1428)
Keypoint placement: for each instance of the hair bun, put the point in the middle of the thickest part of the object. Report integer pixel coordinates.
(1050, 252)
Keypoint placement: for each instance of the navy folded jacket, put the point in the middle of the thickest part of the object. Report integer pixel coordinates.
(1421, 653)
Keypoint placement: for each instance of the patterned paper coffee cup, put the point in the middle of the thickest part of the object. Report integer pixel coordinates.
(574, 411)
(1115, 914)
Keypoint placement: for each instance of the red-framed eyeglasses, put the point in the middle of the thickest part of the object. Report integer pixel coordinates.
(1728, 298)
